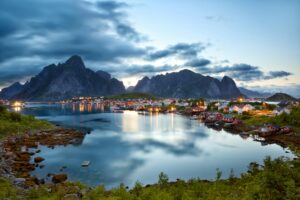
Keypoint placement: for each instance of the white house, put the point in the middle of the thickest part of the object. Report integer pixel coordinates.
(241, 108)
(279, 111)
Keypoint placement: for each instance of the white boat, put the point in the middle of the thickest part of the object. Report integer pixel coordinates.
(85, 163)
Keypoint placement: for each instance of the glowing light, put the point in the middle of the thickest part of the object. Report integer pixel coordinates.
(156, 109)
(17, 104)
(172, 109)
(240, 99)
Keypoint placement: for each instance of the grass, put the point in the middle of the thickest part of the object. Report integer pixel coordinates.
(292, 119)
(12, 123)
(276, 179)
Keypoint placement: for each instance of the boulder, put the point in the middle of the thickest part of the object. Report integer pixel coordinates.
(38, 159)
(59, 178)
(71, 196)
(19, 181)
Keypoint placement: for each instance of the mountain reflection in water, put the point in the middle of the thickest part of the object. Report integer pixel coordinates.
(126, 147)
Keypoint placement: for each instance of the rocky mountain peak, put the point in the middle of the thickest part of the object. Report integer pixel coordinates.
(75, 61)
(67, 80)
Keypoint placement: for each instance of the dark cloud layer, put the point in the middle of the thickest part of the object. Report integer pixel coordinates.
(140, 69)
(198, 62)
(58, 29)
(243, 72)
(36, 33)
(183, 50)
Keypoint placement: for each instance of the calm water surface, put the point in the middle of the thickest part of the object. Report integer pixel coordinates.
(126, 147)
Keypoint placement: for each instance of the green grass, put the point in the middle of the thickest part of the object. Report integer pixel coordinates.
(276, 179)
(292, 119)
(133, 95)
(12, 123)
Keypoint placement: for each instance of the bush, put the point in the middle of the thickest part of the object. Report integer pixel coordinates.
(163, 179)
(16, 117)
(2, 109)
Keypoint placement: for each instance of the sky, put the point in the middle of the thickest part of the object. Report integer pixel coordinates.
(257, 42)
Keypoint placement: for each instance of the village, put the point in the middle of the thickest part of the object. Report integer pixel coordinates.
(218, 114)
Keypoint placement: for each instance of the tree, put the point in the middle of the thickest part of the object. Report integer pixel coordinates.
(163, 179)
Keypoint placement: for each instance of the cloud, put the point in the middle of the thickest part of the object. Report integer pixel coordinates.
(198, 62)
(243, 72)
(37, 33)
(147, 69)
(278, 74)
(183, 50)
(54, 30)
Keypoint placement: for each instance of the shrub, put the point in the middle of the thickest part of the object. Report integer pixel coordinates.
(16, 117)
(163, 179)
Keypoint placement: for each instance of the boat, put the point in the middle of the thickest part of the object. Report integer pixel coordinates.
(219, 123)
(286, 130)
(85, 163)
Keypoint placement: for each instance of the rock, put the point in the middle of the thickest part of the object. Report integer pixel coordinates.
(71, 196)
(42, 181)
(38, 151)
(19, 181)
(38, 159)
(59, 178)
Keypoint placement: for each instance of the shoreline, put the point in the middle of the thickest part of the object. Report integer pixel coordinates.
(17, 151)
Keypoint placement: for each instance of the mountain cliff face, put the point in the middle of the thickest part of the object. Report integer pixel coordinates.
(72, 78)
(254, 94)
(9, 92)
(185, 84)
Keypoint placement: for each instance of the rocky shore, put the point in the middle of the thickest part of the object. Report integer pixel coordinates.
(284, 140)
(18, 154)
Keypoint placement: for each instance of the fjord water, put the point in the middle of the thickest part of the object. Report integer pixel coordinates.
(126, 147)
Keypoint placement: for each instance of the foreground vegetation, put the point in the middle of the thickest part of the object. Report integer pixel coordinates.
(276, 179)
(292, 119)
(14, 123)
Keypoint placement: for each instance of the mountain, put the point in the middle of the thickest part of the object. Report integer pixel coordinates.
(104, 74)
(9, 92)
(253, 94)
(72, 78)
(130, 89)
(186, 84)
(281, 97)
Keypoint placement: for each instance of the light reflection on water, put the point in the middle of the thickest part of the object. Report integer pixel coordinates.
(129, 147)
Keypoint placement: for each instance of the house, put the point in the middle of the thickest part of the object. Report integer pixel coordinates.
(241, 108)
(281, 110)
(247, 108)
(269, 129)
(286, 129)
(223, 106)
(228, 118)
(197, 110)
(236, 108)
(168, 101)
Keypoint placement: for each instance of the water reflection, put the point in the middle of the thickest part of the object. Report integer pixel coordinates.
(130, 122)
(130, 146)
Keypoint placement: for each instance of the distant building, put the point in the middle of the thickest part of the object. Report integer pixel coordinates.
(281, 110)
(241, 108)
